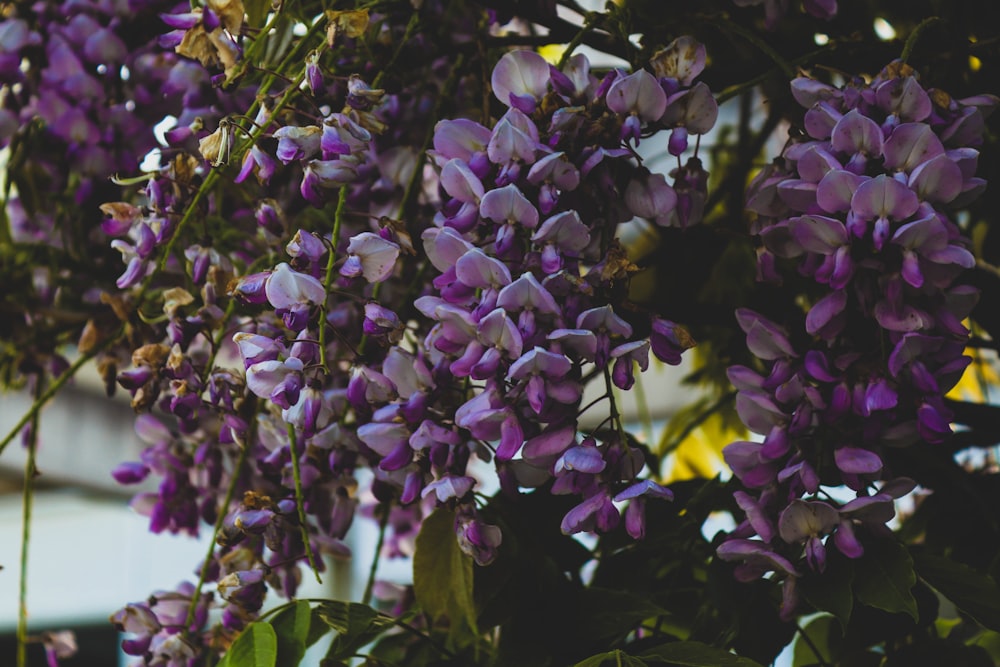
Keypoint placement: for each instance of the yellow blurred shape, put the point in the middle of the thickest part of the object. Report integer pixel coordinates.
(552, 53)
(699, 454)
(978, 377)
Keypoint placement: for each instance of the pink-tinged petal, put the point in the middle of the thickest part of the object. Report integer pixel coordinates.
(581, 517)
(803, 519)
(515, 138)
(683, 59)
(444, 246)
(938, 180)
(857, 461)
(638, 93)
(449, 487)
(846, 541)
(951, 254)
(764, 338)
(922, 235)
(603, 321)
(825, 310)
(476, 269)
(649, 196)
(580, 342)
(808, 92)
(508, 204)
(378, 255)
(511, 439)
(700, 109)
(550, 443)
(745, 379)
(459, 182)
(264, 378)
(820, 120)
(520, 73)
(884, 197)
(819, 234)
(904, 97)
(756, 515)
(565, 231)
(460, 138)
(286, 288)
(555, 168)
(836, 189)
(759, 412)
(910, 145)
(526, 293)
(744, 459)
(856, 133)
(756, 554)
(498, 330)
(540, 361)
(798, 195)
(902, 319)
(816, 163)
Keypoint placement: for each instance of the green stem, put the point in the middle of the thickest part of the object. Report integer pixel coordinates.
(338, 217)
(52, 390)
(589, 24)
(734, 90)
(27, 499)
(299, 503)
(223, 511)
(911, 40)
(382, 524)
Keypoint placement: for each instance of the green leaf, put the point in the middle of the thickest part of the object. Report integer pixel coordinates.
(356, 625)
(291, 627)
(442, 575)
(974, 593)
(614, 658)
(696, 654)
(884, 578)
(257, 646)
(824, 637)
(831, 590)
(609, 615)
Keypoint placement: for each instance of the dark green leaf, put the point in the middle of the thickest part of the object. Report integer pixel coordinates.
(611, 659)
(356, 625)
(695, 654)
(291, 627)
(831, 590)
(608, 615)
(442, 575)
(257, 646)
(974, 593)
(884, 578)
(824, 637)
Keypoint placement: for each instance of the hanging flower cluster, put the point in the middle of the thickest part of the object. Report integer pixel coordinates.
(493, 361)
(861, 204)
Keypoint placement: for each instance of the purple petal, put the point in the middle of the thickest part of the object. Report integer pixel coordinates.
(857, 461)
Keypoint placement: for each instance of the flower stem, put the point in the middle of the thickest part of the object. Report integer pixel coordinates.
(230, 492)
(300, 504)
(338, 217)
(588, 26)
(52, 390)
(27, 499)
(382, 525)
(765, 48)
(911, 40)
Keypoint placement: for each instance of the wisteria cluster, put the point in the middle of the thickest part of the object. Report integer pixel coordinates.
(862, 203)
(377, 252)
(338, 371)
